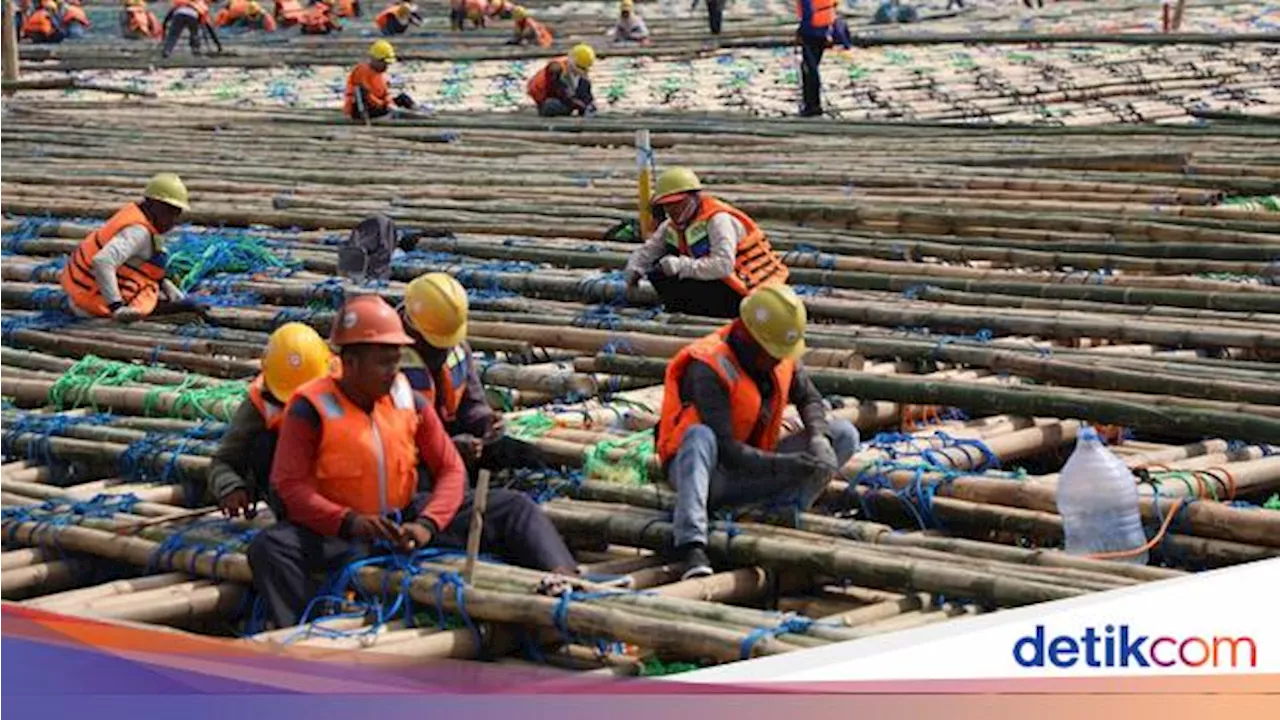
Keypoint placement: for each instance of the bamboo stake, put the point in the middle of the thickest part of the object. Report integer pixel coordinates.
(477, 524)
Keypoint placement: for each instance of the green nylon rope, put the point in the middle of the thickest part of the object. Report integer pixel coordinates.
(75, 386)
(631, 469)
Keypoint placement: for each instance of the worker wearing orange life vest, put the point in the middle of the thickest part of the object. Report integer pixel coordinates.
(288, 12)
(463, 11)
(368, 95)
(706, 255)
(499, 10)
(817, 17)
(74, 19)
(363, 460)
(247, 15)
(118, 269)
(562, 86)
(318, 20)
(397, 19)
(347, 8)
(138, 23)
(529, 31)
(441, 366)
(240, 472)
(719, 434)
(43, 26)
(191, 17)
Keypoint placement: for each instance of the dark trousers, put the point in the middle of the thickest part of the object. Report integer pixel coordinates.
(506, 453)
(177, 24)
(715, 15)
(284, 556)
(711, 298)
(555, 107)
(811, 51)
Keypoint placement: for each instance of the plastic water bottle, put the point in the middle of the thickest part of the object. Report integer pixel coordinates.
(1098, 502)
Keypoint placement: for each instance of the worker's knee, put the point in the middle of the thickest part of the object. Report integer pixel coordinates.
(698, 446)
(516, 505)
(844, 439)
(276, 544)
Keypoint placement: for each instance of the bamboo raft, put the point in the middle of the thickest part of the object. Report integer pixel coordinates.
(977, 295)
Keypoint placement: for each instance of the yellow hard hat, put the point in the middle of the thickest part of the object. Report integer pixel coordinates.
(253, 9)
(295, 355)
(168, 189)
(50, 5)
(626, 6)
(382, 50)
(675, 181)
(437, 308)
(583, 56)
(519, 13)
(775, 317)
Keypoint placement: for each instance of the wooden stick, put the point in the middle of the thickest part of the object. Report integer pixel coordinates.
(477, 524)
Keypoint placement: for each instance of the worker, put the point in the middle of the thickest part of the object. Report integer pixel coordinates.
(528, 31)
(74, 20)
(44, 25)
(368, 96)
(118, 269)
(722, 408)
(463, 11)
(562, 87)
(715, 15)
(191, 16)
(318, 20)
(816, 18)
(347, 8)
(396, 19)
(707, 255)
(355, 458)
(288, 13)
(499, 10)
(139, 23)
(246, 15)
(240, 473)
(630, 26)
(440, 365)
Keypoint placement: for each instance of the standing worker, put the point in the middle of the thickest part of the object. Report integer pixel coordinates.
(396, 19)
(707, 255)
(562, 87)
(440, 365)
(118, 269)
(240, 473)
(630, 26)
(43, 26)
(816, 19)
(355, 452)
(529, 31)
(368, 96)
(722, 407)
(191, 16)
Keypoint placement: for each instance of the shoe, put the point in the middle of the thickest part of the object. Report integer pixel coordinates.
(696, 563)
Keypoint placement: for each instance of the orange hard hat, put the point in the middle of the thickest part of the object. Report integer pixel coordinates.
(368, 319)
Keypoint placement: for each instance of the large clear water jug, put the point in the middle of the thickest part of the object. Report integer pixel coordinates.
(1098, 502)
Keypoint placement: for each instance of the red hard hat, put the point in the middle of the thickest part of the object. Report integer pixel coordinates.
(368, 319)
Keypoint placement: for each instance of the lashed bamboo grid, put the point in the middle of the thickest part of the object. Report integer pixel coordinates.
(976, 296)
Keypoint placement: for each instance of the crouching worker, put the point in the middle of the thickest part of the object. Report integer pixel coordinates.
(118, 271)
(353, 453)
(439, 364)
(240, 474)
(562, 87)
(368, 96)
(722, 407)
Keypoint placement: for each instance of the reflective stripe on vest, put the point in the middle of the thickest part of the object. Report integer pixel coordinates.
(272, 411)
(755, 262)
(444, 388)
(365, 461)
(716, 354)
(824, 12)
(139, 284)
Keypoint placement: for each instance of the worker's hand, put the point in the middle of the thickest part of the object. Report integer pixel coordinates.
(236, 503)
(633, 278)
(375, 527)
(126, 314)
(414, 536)
(497, 429)
(669, 265)
(820, 447)
(469, 446)
(403, 100)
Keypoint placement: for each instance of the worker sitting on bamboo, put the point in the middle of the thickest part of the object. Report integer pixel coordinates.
(368, 96)
(630, 26)
(44, 25)
(440, 365)
(722, 408)
(397, 19)
(562, 87)
(191, 17)
(529, 31)
(74, 20)
(246, 16)
(118, 270)
(138, 23)
(240, 474)
(707, 255)
(353, 453)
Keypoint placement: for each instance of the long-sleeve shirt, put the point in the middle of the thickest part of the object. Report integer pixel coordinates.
(702, 387)
(366, 91)
(723, 232)
(132, 245)
(474, 416)
(233, 464)
(631, 27)
(294, 480)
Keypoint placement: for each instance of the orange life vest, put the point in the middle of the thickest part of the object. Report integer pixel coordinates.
(74, 14)
(201, 8)
(288, 11)
(346, 8)
(268, 407)
(317, 20)
(141, 22)
(37, 24)
(373, 83)
(756, 263)
(824, 12)
(139, 286)
(539, 86)
(445, 388)
(394, 11)
(716, 354)
(541, 32)
(366, 461)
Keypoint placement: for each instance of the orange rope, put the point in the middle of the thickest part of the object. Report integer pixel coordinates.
(1164, 527)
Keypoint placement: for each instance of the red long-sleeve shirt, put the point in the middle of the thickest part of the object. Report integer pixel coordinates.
(294, 480)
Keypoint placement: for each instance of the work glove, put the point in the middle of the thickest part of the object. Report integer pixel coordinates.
(126, 314)
(403, 100)
(820, 447)
(669, 265)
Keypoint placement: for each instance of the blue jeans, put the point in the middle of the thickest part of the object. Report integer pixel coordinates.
(701, 483)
